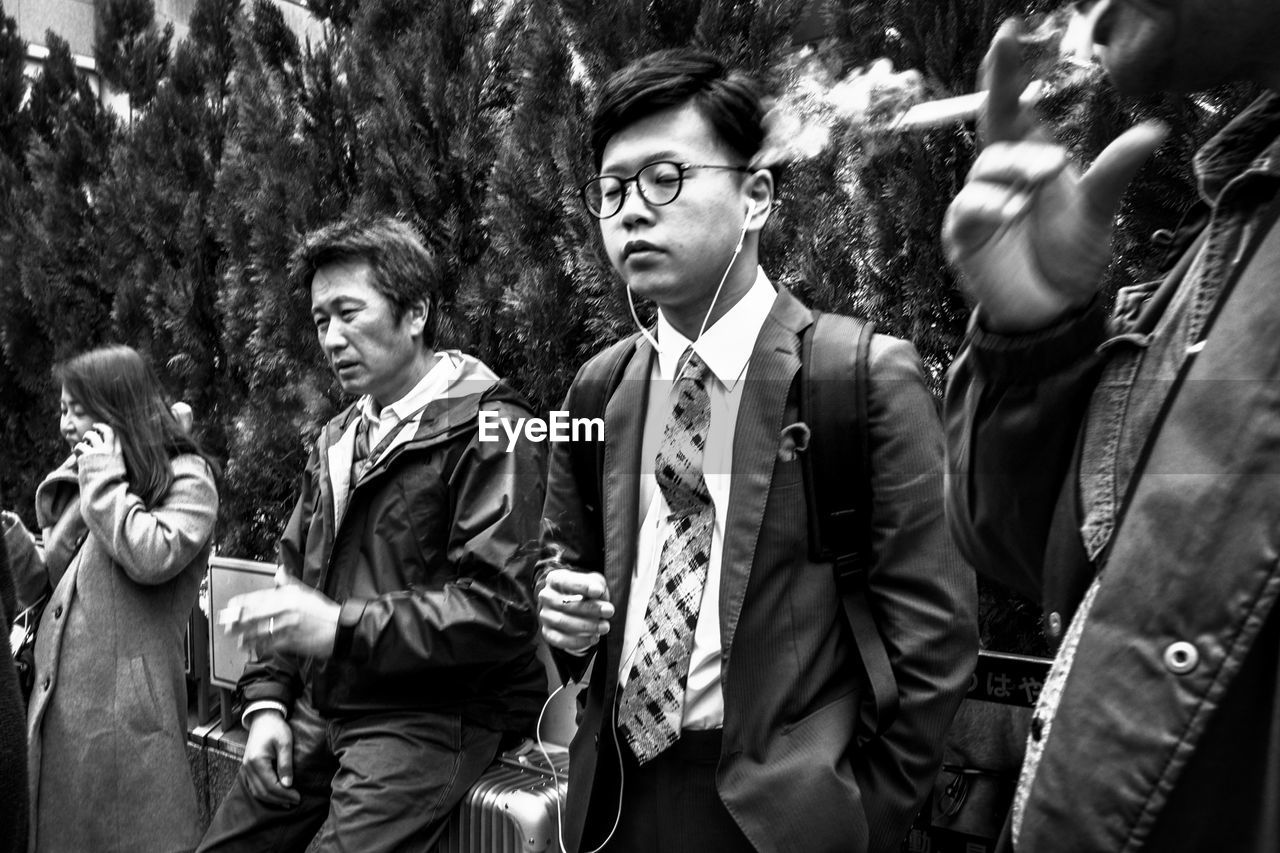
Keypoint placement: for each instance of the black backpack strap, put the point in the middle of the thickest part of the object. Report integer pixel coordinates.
(835, 356)
(599, 379)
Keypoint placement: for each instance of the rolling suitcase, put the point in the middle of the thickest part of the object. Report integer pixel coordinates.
(513, 806)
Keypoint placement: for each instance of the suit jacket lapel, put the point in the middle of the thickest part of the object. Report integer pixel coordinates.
(770, 372)
(623, 429)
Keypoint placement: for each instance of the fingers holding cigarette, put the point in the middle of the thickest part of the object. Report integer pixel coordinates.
(574, 609)
(253, 630)
(1004, 78)
(290, 618)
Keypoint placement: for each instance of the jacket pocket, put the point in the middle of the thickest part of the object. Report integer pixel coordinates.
(137, 699)
(840, 714)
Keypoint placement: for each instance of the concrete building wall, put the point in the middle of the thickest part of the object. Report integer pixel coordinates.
(74, 20)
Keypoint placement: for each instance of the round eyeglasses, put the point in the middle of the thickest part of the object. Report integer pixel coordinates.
(658, 184)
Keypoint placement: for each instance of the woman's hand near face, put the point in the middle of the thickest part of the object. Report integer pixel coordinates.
(100, 439)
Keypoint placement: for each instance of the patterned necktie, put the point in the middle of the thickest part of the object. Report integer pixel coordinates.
(652, 702)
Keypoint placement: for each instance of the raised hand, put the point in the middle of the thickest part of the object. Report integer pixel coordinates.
(100, 439)
(1029, 234)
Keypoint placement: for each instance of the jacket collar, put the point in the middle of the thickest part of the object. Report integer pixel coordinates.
(59, 517)
(52, 495)
(434, 382)
(1249, 144)
(449, 412)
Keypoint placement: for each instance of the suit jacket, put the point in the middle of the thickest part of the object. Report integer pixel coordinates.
(792, 771)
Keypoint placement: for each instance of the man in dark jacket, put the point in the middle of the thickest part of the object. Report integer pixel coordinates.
(397, 648)
(1124, 470)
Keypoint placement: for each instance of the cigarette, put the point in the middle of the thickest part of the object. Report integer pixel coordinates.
(570, 599)
(959, 108)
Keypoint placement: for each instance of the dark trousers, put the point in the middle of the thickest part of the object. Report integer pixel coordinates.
(669, 805)
(378, 782)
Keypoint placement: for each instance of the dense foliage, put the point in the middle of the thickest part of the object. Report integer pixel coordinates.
(169, 228)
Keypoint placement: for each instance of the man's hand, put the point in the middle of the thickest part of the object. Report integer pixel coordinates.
(1029, 234)
(268, 760)
(292, 617)
(574, 609)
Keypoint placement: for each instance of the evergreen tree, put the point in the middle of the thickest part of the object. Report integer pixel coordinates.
(50, 242)
(161, 253)
(131, 53)
(536, 306)
(339, 13)
(67, 159)
(27, 416)
(287, 168)
(426, 78)
(13, 118)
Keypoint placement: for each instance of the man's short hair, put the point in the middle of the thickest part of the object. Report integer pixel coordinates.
(401, 268)
(729, 101)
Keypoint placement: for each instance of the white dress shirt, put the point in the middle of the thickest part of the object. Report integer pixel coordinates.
(726, 348)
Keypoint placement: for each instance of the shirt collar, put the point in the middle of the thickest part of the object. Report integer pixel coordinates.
(727, 344)
(1250, 142)
(432, 385)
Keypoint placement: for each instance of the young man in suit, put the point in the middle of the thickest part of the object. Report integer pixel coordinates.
(722, 711)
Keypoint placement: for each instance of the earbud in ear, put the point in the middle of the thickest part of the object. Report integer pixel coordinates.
(751, 207)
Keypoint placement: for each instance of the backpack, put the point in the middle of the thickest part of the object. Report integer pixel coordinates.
(834, 359)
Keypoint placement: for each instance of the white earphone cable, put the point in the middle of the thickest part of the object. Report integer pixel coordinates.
(617, 746)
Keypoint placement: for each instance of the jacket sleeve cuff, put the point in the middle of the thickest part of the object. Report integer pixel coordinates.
(573, 666)
(100, 466)
(1030, 358)
(261, 705)
(348, 618)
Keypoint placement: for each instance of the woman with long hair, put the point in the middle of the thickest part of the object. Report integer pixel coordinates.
(128, 524)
